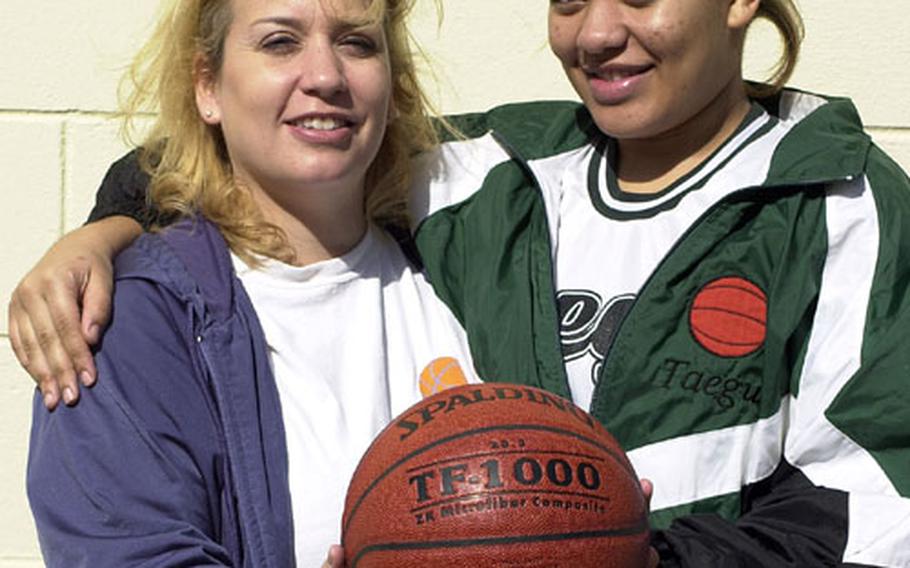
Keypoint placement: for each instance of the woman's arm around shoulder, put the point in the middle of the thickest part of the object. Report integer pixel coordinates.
(60, 307)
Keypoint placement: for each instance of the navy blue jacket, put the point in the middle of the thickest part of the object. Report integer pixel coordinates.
(177, 456)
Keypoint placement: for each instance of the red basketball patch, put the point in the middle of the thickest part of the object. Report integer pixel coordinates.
(729, 316)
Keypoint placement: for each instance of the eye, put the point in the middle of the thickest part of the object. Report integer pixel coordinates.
(360, 44)
(567, 6)
(279, 43)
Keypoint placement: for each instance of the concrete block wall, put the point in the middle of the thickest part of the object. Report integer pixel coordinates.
(60, 63)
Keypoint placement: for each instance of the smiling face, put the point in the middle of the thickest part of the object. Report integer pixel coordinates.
(302, 96)
(646, 68)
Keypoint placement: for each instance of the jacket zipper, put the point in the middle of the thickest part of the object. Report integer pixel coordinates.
(532, 178)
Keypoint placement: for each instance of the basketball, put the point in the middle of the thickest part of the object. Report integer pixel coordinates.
(728, 317)
(495, 475)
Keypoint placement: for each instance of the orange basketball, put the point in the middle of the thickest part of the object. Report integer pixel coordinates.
(495, 475)
(441, 374)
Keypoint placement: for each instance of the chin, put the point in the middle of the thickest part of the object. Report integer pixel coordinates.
(319, 174)
(626, 122)
(623, 129)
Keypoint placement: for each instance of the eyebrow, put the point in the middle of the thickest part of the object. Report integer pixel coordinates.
(280, 20)
(295, 23)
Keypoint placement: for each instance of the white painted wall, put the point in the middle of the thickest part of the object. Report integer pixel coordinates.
(60, 62)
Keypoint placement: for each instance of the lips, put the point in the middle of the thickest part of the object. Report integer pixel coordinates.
(614, 84)
(331, 129)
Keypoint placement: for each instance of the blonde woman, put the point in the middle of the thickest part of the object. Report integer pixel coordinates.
(716, 269)
(260, 343)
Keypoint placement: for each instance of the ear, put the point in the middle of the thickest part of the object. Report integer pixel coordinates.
(741, 13)
(207, 100)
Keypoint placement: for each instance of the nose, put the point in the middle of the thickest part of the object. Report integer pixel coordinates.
(603, 29)
(323, 71)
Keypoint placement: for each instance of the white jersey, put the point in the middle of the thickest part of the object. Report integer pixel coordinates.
(351, 339)
(597, 283)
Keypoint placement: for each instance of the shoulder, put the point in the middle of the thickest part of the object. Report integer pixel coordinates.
(150, 386)
(884, 171)
(168, 286)
(492, 149)
(825, 142)
(189, 259)
(146, 357)
(532, 129)
(824, 139)
(888, 188)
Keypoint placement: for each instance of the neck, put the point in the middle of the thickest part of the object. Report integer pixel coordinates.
(649, 165)
(321, 226)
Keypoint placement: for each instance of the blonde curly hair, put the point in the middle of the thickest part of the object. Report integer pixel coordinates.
(187, 159)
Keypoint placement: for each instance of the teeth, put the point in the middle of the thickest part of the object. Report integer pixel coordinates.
(616, 75)
(320, 123)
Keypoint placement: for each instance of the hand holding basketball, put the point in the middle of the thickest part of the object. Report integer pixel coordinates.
(647, 489)
(334, 558)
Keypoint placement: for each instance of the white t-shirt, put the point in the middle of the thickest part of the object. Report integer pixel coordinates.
(349, 339)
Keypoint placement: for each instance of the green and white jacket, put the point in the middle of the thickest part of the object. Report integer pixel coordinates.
(761, 377)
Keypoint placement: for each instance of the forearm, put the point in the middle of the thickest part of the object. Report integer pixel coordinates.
(108, 236)
(788, 520)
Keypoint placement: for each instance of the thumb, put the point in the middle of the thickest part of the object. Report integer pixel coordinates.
(335, 558)
(647, 489)
(96, 306)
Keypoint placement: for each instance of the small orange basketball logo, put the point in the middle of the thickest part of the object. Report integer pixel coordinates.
(729, 317)
(441, 374)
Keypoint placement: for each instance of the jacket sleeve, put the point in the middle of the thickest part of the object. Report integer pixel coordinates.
(123, 192)
(790, 523)
(841, 495)
(130, 476)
